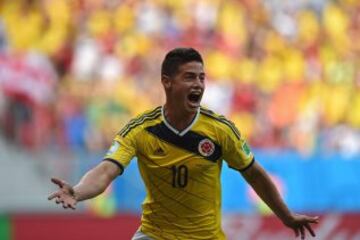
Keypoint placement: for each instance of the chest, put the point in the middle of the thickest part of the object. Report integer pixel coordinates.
(196, 151)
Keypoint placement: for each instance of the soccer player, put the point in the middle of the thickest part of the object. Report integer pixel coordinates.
(180, 148)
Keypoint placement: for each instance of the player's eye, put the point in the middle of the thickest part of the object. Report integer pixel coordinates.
(190, 76)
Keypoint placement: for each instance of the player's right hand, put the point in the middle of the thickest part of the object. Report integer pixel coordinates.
(65, 195)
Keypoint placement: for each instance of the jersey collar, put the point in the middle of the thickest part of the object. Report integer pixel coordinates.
(174, 130)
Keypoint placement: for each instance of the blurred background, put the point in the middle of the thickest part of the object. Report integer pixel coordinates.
(72, 73)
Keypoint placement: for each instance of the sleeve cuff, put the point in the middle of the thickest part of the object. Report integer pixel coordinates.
(116, 163)
(245, 168)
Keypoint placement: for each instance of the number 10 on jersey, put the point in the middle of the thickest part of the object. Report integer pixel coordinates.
(179, 176)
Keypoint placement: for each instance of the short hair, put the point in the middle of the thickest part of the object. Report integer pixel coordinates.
(177, 57)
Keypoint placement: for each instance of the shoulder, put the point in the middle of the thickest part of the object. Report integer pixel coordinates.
(149, 113)
(141, 120)
(221, 121)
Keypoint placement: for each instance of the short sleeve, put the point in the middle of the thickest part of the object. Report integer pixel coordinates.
(237, 153)
(122, 150)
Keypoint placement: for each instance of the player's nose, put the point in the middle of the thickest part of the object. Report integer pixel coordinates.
(199, 82)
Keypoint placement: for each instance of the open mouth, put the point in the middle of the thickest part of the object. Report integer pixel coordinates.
(194, 98)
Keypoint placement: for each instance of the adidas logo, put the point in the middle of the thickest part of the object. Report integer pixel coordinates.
(159, 151)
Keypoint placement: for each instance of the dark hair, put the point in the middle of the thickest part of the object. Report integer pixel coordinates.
(178, 56)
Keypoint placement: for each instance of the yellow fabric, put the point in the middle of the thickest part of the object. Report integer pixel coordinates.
(245, 71)
(336, 24)
(24, 28)
(183, 188)
(294, 65)
(308, 27)
(57, 32)
(230, 13)
(353, 116)
(336, 100)
(124, 18)
(335, 21)
(246, 122)
(100, 23)
(219, 65)
(270, 74)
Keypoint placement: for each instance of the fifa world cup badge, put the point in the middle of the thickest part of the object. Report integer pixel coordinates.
(114, 147)
(246, 149)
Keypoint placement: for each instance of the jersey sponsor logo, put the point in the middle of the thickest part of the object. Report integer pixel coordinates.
(114, 147)
(159, 151)
(206, 147)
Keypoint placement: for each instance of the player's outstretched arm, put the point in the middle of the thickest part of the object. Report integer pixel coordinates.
(93, 183)
(265, 188)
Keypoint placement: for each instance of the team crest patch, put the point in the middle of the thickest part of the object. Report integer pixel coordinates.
(206, 147)
(114, 147)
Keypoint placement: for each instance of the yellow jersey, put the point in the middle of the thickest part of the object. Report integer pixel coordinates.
(181, 171)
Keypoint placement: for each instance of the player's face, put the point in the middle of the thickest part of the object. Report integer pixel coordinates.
(187, 86)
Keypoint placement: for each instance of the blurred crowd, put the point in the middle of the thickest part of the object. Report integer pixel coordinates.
(73, 72)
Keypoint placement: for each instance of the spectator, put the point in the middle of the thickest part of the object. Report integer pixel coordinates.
(287, 74)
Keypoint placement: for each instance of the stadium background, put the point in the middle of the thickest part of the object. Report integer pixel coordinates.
(72, 73)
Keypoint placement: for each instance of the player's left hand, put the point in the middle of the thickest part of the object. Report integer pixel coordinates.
(300, 223)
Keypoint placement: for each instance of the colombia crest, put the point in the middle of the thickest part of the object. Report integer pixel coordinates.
(206, 147)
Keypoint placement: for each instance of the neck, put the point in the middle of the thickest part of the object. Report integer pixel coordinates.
(178, 118)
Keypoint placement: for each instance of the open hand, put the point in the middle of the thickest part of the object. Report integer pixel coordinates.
(65, 195)
(299, 223)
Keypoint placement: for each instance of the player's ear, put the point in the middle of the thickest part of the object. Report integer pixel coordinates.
(166, 81)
